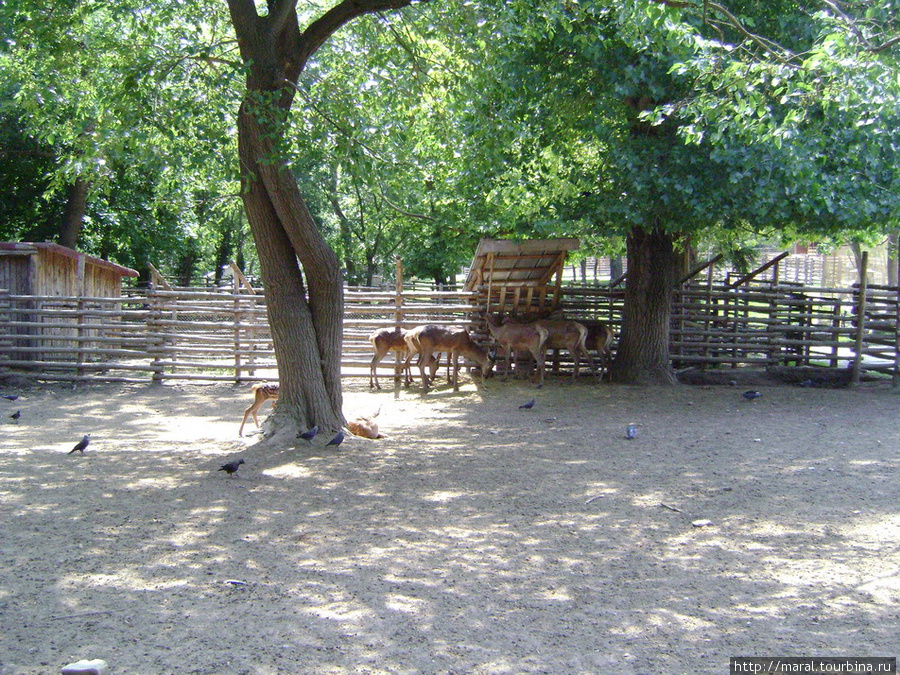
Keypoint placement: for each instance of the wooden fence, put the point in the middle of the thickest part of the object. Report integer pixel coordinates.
(213, 335)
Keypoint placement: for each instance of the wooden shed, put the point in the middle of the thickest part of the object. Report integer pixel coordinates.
(519, 277)
(47, 269)
(46, 293)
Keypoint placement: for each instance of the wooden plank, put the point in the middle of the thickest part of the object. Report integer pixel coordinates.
(527, 246)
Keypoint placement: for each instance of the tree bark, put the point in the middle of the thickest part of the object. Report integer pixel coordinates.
(305, 318)
(892, 257)
(73, 218)
(643, 353)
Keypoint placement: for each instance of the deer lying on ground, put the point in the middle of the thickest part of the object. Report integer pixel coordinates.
(366, 427)
(564, 334)
(599, 338)
(386, 340)
(520, 338)
(262, 392)
(428, 340)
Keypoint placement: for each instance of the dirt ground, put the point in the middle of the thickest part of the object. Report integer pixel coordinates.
(477, 538)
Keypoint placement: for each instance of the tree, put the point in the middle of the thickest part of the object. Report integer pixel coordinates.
(372, 160)
(305, 318)
(631, 119)
(129, 106)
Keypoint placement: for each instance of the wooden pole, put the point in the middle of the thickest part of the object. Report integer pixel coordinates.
(709, 264)
(157, 278)
(236, 321)
(860, 319)
(895, 380)
(759, 270)
(398, 292)
(240, 279)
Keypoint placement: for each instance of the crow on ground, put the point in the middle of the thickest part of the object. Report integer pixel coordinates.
(81, 445)
(231, 467)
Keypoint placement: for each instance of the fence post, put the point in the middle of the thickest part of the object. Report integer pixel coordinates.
(895, 380)
(861, 319)
(398, 290)
(154, 346)
(80, 344)
(236, 323)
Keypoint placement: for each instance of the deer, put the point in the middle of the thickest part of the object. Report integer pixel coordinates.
(365, 427)
(520, 337)
(386, 340)
(262, 392)
(599, 338)
(565, 334)
(427, 340)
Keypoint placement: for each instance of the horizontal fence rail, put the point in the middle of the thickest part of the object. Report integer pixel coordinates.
(215, 335)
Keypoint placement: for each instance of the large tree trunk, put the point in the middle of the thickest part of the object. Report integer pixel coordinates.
(643, 353)
(73, 218)
(305, 319)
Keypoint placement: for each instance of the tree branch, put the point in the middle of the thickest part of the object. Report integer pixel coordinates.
(331, 21)
(279, 15)
(245, 21)
(402, 211)
(781, 54)
(885, 45)
(776, 51)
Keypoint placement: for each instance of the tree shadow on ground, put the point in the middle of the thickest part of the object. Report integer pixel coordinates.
(479, 537)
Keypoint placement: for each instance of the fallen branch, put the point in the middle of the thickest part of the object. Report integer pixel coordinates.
(82, 614)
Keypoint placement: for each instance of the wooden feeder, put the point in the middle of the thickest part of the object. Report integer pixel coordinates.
(521, 278)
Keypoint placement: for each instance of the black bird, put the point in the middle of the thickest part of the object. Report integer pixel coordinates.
(81, 445)
(750, 395)
(231, 467)
(16, 415)
(528, 405)
(338, 439)
(11, 397)
(309, 435)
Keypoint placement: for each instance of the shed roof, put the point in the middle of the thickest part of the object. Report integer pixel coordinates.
(32, 248)
(525, 264)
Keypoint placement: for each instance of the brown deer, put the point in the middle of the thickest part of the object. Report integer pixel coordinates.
(519, 338)
(365, 427)
(386, 340)
(428, 340)
(262, 392)
(599, 338)
(564, 334)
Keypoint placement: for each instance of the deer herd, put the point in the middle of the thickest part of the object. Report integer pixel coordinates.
(515, 337)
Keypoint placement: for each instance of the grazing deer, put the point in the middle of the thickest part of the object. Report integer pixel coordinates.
(262, 392)
(427, 340)
(599, 338)
(386, 340)
(565, 334)
(520, 337)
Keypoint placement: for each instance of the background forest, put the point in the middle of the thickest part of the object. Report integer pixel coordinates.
(417, 132)
(369, 129)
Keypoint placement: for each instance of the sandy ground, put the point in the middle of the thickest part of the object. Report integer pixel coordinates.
(478, 538)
